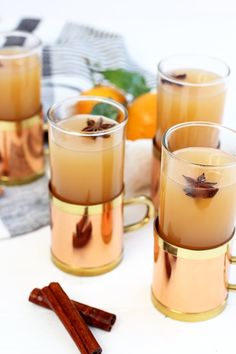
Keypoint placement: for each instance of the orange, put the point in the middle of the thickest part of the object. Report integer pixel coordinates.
(142, 117)
(102, 91)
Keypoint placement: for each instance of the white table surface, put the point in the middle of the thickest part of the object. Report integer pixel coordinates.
(152, 30)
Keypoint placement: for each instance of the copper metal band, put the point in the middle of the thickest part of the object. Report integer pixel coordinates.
(6, 125)
(190, 285)
(81, 209)
(88, 239)
(193, 254)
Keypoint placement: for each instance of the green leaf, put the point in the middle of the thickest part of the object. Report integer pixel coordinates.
(105, 110)
(131, 82)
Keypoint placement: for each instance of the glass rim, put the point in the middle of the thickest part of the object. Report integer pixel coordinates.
(98, 99)
(29, 50)
(199, 124)
(191, 84)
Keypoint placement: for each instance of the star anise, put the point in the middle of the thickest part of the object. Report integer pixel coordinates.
(96, 126)
(175, 76)
(200, 187)
(179, 76)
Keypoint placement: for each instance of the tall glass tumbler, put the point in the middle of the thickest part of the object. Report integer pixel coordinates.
(190, 88)
(87, 141)
(196, 221)
(21, 125)
(198, 186)
(86, 152)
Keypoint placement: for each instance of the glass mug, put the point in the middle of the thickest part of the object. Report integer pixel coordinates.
(21, 124)
(86, 144)
(190, 88)
(196, 219)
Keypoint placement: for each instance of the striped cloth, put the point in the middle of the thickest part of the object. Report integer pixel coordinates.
(65, 70)
(78, 43)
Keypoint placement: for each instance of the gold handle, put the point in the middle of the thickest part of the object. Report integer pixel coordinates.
(142, 199)
(45, 130)
(232, 287)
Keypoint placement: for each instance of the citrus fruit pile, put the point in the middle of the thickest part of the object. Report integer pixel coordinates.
(142, 108)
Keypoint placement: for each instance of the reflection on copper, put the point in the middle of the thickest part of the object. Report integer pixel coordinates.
(1, 192)
(167, 265)
(18, 129)
(156, 249)
(96, 253)
(189, 285)
(34, 142)
(107, 223)
(18, 164)
(4, 155)
(21, 150)
(155, 178)
(170, 261)
(83, 232)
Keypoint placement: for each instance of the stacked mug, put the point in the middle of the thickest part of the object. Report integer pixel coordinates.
(21, 124)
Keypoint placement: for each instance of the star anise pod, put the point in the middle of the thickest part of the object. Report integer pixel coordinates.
(179, 76)
(200, 187)
(96, 126)
(175, 76)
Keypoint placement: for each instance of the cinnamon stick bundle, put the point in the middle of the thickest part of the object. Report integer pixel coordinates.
(92, 316)
(66, 311)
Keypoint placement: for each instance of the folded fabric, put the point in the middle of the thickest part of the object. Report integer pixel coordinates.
(25, 208)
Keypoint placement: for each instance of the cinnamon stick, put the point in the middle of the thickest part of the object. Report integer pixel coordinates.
(66, 311)
(92, 316)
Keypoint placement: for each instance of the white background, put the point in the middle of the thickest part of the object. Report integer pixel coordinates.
(152, 30)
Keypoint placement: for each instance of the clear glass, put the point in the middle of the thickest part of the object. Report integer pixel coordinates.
(198, 185)
(87, 167)
(20, 75)
(190, 88)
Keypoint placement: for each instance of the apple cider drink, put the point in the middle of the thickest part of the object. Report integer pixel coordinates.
(198, 189)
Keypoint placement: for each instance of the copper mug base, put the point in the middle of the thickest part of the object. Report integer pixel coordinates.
(21, 150)
(190, 285)
(92, 271)
(88, 240)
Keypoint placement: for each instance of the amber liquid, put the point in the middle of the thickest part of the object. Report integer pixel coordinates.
(197, 223)
(85, 170)
(183, 103)
(19, 84)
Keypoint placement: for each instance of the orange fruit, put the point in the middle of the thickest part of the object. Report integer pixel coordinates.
(142, 117)
(101, 91)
